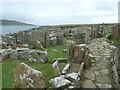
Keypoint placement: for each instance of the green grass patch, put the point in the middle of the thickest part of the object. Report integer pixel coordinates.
(114, 42)
(9, 66)
(57, 51)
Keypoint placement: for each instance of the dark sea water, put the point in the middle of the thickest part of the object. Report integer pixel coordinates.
(6, 29)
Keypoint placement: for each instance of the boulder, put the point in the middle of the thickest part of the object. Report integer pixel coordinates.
(60, 82)
(13, 54)
(23, 55)
(4, 45)
(40, 56)
(4, 54)
(53, 41)
(27, 77)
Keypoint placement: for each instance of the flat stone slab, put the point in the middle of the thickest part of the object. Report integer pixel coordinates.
(103, 79)
(104, 85)
(88, 84)
(73, 75)
(58, 82)
(99, 72)
(90, 74)
(104, 71)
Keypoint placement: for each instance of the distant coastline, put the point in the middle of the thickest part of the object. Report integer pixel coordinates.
(13, 22)
(10, 26)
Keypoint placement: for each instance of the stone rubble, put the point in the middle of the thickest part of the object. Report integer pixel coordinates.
(24, 54)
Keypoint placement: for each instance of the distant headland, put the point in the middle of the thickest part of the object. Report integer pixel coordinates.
(13, 22)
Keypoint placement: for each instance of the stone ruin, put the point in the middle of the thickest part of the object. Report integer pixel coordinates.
(35, 38)
(24, 54)
(78, 59)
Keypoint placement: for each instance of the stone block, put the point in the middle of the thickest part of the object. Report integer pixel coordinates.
(56, 69)
(27, 77)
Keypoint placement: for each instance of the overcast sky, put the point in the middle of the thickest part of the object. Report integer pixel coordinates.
(47, 12)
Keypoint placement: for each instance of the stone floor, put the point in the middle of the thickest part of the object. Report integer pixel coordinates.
(99, 75)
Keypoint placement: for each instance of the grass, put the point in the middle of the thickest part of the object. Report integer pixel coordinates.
(8, 66)
(114, 42)
(57, 51)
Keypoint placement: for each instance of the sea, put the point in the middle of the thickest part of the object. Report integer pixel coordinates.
(9, 29)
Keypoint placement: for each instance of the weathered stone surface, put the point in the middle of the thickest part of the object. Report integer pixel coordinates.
(4, 54)
(73, 75)
(56, 69)
(66, 68)
(13, 54)
(71, 47)
(103, 79)
(88, 84)
(39, 35)
(97, 73)
(53, 41)
(3, 45)
(90, 74)
(79, 38)
(104, 71)
(103, 53)
(60, 39)
(61, 60)
(79, 53)
(104, 85)
(74, 68)
(24, 55)
(40, 56)
(58, 82)
(81, 69)
(27, 77)
(22, 49)
(88, 61)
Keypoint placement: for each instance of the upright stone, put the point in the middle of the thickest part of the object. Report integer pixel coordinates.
(79, 54)
(55, 67)
(71, 48)
(60, 39)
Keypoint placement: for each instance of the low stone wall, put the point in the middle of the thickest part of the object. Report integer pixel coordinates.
(24, 54)
(115, 67)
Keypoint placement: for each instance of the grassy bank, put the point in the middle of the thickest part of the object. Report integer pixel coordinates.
(8, 66)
